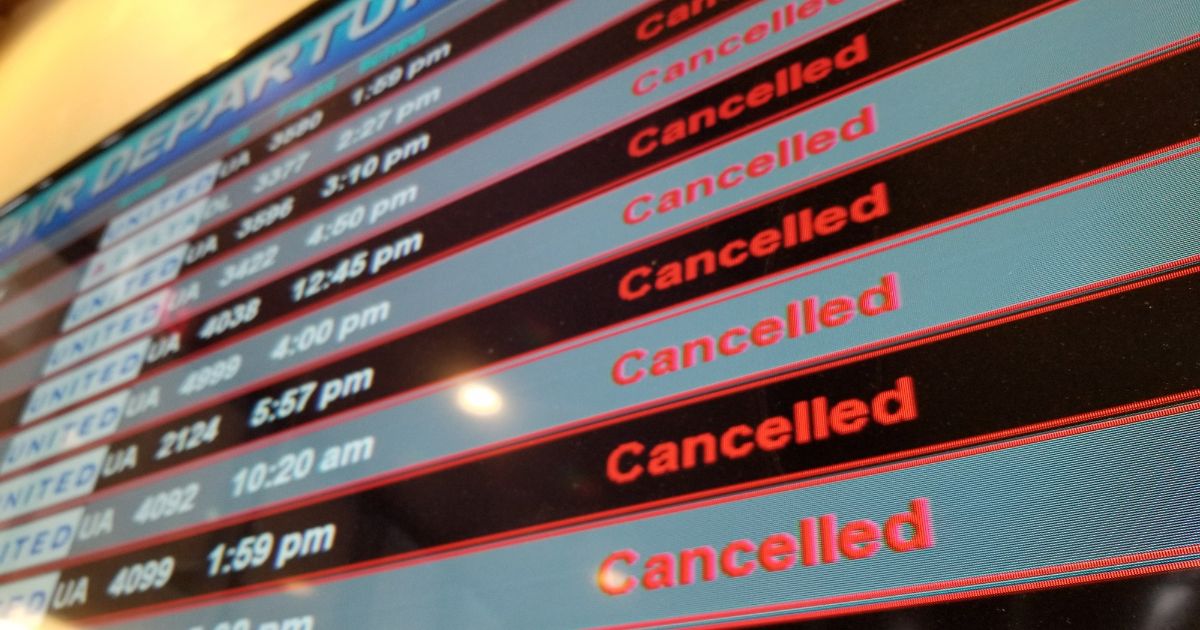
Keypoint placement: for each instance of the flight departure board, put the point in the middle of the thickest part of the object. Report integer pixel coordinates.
(624, 314)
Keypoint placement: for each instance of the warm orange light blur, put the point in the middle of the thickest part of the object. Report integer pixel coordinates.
(479, 399)
(73, 71)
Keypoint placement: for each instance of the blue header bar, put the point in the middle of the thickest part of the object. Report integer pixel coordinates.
(338, 36)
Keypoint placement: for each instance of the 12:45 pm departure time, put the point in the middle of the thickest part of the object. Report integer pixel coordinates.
(319, 280)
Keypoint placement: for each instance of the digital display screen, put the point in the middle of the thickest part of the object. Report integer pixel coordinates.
(637, 314)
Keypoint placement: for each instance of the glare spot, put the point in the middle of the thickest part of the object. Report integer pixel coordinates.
(478, 399)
